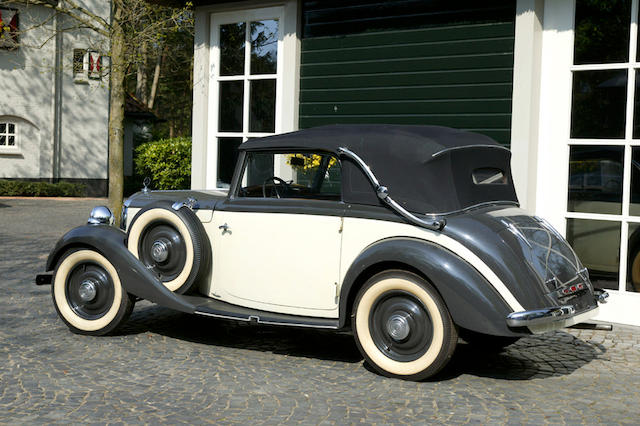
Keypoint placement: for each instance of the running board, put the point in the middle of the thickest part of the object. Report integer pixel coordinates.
(218, 309)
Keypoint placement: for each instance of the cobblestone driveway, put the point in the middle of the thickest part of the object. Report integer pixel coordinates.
(170, 367)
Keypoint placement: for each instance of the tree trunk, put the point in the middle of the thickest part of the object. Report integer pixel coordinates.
(156, 77)
(116, 114)
(141, 75)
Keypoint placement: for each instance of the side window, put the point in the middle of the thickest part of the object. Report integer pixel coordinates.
(313, 176)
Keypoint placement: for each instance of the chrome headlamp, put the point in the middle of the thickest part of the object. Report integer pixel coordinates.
(101, 215)
(123, 218)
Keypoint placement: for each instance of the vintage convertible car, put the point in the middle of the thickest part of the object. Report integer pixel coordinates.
(407, 235)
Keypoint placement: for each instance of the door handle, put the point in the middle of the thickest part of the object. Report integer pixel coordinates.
(225, 228)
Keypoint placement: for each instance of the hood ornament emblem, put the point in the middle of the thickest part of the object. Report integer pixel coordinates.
(146, 182)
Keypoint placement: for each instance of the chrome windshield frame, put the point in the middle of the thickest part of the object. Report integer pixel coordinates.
(383, 194)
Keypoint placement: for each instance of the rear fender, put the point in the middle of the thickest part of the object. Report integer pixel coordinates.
(134, 276)
(472, 302)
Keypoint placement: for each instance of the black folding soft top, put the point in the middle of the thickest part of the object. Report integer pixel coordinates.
(427, 169)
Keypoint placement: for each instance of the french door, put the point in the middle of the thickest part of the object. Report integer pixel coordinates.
(245, 91)
(589, 166)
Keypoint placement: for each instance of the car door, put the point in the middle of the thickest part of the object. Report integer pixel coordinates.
(277, 240)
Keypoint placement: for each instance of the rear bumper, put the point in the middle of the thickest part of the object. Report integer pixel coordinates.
(553, 318)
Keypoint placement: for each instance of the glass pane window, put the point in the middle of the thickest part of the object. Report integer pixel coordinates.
(231, 111)
(598, 104)
(264, 46)
(314, 176)
(597, 244)
(633, 258)
(227, 157)
(262, 109)
(602, 31)
(232, 42)
(634, 201)
(595, 179)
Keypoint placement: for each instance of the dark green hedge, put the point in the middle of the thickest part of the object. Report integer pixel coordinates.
(167, 162)
(19, 188)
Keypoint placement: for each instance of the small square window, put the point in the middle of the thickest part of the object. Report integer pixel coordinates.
(8, 135)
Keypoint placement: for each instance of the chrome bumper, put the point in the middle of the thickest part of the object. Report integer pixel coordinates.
(547, 319)
(537, 316)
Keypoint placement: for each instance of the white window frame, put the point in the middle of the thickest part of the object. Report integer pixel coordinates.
(14, 149)
(218, 19)
(554, 140)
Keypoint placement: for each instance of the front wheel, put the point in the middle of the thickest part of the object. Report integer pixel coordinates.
(88, 295)
(402, 326)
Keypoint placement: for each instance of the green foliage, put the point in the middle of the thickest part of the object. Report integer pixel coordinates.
(166, 161)
(19, 188)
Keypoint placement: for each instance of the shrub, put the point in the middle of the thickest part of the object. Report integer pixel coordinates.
(166, 161)
(20, 188)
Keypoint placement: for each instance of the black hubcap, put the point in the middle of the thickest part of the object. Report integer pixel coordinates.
(400, 326)
(162, 249)
(89, 291)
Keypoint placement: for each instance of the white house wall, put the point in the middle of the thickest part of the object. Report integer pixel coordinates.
(26, 88)
(27, 84)
(85, 118)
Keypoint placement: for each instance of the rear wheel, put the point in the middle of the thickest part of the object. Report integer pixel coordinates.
(402, 326)
(88, 295)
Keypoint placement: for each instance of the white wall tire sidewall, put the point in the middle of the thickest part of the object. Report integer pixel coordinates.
(167, 216)
(363, 312)
(60, 284)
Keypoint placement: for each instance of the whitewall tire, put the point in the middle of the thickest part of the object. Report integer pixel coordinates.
(402, 326)
(172, 244)
(88, 295)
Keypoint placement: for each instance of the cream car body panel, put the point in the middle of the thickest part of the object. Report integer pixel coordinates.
(251, 269)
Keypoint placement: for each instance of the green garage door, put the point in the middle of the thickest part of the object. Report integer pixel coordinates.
(408, 62)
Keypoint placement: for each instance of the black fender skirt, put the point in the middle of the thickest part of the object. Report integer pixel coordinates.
(472, 302)
(134, 276)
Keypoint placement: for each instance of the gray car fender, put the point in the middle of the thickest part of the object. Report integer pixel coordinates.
(134, 276)
(472, 302)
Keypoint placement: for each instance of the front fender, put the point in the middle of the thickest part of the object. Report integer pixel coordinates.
(472, 302)
(134, 276)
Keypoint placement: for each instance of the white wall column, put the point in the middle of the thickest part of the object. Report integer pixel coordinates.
(526, 99)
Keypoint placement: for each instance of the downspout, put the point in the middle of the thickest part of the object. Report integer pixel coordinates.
(57, 110)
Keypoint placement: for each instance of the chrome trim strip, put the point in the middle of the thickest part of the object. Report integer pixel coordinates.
(537, 316)
(229, 317)
(257, 319)
(455, 148)
(297, 324)
(383, 194)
